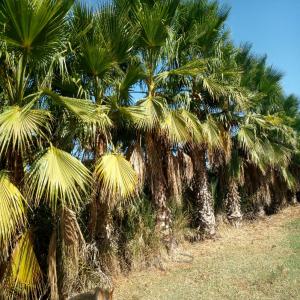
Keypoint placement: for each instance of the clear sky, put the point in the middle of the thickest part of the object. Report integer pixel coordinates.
(273, 28)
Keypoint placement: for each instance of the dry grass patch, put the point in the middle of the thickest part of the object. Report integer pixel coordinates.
(260, 260)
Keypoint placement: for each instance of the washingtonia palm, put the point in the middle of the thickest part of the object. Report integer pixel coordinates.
(68, 119)
(213, 89)
(167, 120)
(35, 169)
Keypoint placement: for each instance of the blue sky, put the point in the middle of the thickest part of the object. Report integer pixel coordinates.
(273, 28)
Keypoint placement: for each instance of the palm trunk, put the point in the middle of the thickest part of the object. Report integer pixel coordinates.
(174, 178)
(104, 227)
(158, 185)
(233, 204)
(52, 266)
(261, 198)
(205, 218)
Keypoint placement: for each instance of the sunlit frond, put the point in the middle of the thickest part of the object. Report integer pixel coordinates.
(218, 89)
(211, 133)
(288, 177)
(180, 126)
(246, 137)
(192, 68)
(12, 210)
(59, 178)
(133, 114)
(83, 109)
(153, 21)
(153, 109)
(21, 126)
(116, 175)
(24, 277)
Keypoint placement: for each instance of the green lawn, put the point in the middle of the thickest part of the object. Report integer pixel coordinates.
(257, 261)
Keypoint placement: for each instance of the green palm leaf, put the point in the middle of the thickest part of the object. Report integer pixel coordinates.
(192, 68)
(153, 21)
(153, 109)
(35, 28)
(59, 178)
(21, 126)
(180, 126)
(83, 109)
(211, 133)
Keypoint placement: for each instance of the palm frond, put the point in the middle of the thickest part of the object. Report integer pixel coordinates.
(192, 68)
(59, 178)
(21, 126)
(85, 110)
(211, 133)
(153, 109)
(24, 277)
(116, 175)
(12, 210)
(153, 22)
(34, 28)
(181, 126)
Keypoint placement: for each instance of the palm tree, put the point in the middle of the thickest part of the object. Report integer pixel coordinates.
(275, 138)
(167, 120)
(212, 91)
(26, 150)
(76, 143)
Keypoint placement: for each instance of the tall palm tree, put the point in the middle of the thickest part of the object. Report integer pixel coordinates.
(212, 91)
(52, 174)
(26, 150)
(167, 120)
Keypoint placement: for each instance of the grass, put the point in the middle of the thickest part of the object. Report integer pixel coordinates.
(258, 261)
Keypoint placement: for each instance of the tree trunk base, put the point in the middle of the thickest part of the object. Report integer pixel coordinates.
(260, 213)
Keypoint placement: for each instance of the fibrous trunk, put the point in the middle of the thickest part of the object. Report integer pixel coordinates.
(174, 178)
(72, 242)
(205, 218)
(233, 204)
(261, 199)
(158, 185)
(52, 268)
(137, 160)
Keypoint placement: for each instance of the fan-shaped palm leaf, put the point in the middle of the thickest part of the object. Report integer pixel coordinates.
(153, 108)
(24, 277)
(59, 178)
(84, 109)
(192, 68)
(20, 126)
(12, 210)
(34, 28)
(211, 133)
(153, 21)
(180, 126)
(117, 176)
